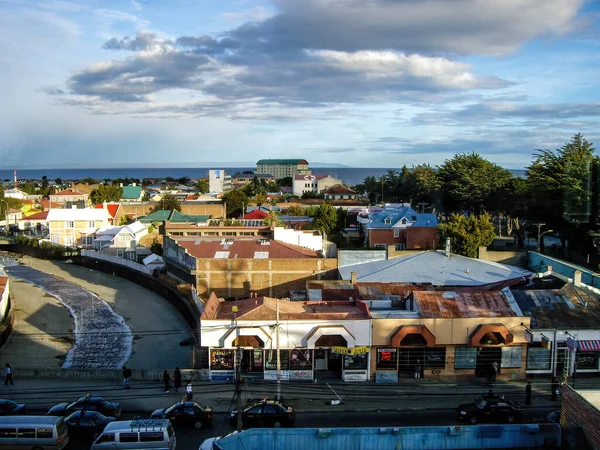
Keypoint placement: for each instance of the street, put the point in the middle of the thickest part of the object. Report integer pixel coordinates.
(190, 439)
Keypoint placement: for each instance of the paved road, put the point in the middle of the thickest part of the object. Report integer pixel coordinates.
(190, 439)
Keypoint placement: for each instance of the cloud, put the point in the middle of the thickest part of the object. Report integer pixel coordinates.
(257, 13)
(142, 41)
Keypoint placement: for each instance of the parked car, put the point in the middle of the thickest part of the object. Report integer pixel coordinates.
(489, 409)
(87, 403)
(10, 408)
(186, 414)
(270, 413)
(88, 424)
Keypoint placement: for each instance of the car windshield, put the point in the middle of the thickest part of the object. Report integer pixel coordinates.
(170, 409)
(480, 403)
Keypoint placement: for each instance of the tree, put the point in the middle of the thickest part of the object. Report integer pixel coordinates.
(106, 193)
(89, 180)
(326, 218)
(469, 182)
(203, 185)
(467, 233)
(260, 198)
(285, 181)
(58, 182)
(295, 210)
(169, 203)
(235, 201)
(28, 187)
(560, 189)
(309, 195)
(273, 220)
(156, 247)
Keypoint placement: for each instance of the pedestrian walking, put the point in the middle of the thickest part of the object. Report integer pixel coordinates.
(8, 375)
(177, 379)
(496, 369)
(126, 376)
(554, 387)
(528, 393)
(418, 369)
(188, 389)
(167, 381)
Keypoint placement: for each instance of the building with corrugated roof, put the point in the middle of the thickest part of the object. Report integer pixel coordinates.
(282, 168)
(317, 340)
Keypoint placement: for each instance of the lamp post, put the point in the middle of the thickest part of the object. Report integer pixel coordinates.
(238, 377)
(540, 236)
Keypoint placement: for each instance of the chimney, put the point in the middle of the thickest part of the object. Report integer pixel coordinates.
(577, 278)
(353, 277)
(104, 206)
(447, 247)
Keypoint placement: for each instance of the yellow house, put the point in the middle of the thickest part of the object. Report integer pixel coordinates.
(76, 227)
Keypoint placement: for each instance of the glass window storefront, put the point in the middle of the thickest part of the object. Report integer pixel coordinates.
(586, 360)
(465, 357)
(434, 358)
(271, 359)
(300, 360)
(511, 357)
(356, 362)
(222, 359)
(538, 357)
(387, 359)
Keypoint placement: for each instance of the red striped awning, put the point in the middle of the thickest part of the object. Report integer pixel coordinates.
(588, 346)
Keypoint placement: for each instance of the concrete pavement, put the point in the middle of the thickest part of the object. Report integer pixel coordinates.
(416, 395)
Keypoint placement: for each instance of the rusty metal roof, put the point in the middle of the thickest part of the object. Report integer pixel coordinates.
(568, 307)
(451, 304)
(344, 290)
(233, 248)
(264, 308)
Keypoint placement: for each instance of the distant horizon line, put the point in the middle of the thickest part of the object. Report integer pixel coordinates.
(188, 166)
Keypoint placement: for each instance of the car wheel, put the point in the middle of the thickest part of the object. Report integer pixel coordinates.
(198, 424)
(473, 420)
(277, 424)
(510, 419)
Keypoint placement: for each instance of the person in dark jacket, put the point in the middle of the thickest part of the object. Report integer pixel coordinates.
(8, 375)
(126, 376)
(167, 381)
(528, 393)
(177, 379)
(554, 388)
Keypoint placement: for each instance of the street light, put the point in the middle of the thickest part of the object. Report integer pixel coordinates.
(540, 236)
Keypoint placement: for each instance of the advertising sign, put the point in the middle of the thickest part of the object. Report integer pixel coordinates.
(571, 343)
(350, 351)
(528, 336)
(545, 342)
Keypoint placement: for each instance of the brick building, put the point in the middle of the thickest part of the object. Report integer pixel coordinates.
(579, 409)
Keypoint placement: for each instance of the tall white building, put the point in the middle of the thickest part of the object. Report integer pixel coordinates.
(281, 168)
(218, 182)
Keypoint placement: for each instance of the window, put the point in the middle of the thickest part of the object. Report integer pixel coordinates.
(152, 436)
(465, 357)
(221, 359)
(387, 220)
(255, 409)
(403, 221)
(26, 433)
(538, 357)
(120, 252)
(511, 357)
(271, 362)
(44, 433)
(586, 361)
(87, 240)
(128, 437)
(387, 359)
(70, 240)
(300, 360)
(8, 432)
(399, 246)
(379, 246)
(69, 224)
(270, 409)
(355, 362)
(92, 224)
(434, 358)
(396, 232)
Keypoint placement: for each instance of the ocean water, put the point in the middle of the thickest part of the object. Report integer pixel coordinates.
(349, 175)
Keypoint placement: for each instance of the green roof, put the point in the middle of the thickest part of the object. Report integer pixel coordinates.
(173, 216)
(264, 162)
(156, 216)
(131, 192)
(178, 217)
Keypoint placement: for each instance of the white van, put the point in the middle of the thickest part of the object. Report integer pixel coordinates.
(137, 434)
(33, 432)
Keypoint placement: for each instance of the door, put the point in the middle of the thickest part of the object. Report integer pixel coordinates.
(486, 357)
(320, 359)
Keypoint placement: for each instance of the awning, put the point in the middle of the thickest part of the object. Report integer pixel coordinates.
(499, 335)
(588, 346)
(405, 330)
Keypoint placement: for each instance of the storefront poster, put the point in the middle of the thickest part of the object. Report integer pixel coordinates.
(222, 375)
(386, 377)
(350, 351)
(355, 376)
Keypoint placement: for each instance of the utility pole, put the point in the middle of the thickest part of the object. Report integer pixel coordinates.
(539, 225)
(238, 371)
(278, 352)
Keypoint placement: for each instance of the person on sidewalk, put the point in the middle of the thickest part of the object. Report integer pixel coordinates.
(554, 387)
(528, 393)
(188, 389)
(8, 375)
(167, 381)
(418, 369)
(126, 376)
(495, 370)
(177, 379)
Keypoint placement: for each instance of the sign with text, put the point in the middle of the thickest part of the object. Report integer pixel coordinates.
(571, 343)
(545, 342)
(528, 336)
(350, 351)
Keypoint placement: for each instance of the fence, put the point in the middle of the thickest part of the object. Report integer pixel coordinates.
(148, 270)
(564, 268)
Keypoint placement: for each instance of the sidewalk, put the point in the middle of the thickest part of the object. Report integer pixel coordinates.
(417, 395)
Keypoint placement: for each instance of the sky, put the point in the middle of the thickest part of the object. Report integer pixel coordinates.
(365, 83)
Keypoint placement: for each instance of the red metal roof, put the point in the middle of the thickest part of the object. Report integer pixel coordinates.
(462, 304)
(243, 248)
(111, 207)
(67, 192)
(338, 189)
(37, 216)
(256, 215)
(47, 204)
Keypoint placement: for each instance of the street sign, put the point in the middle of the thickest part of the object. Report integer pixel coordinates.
(528, 336)
(545, 342)
(571, 343)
